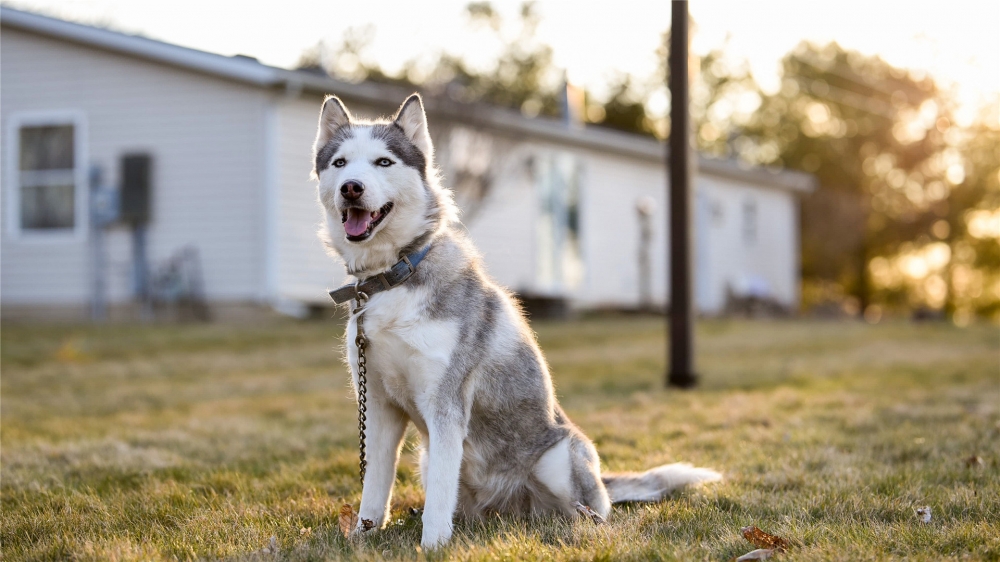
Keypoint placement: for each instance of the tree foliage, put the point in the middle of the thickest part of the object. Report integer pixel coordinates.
(891, 165)
(523, 77)
(869, 133)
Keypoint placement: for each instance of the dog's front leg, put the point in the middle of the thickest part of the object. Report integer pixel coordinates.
(386, 424)
(444, 463)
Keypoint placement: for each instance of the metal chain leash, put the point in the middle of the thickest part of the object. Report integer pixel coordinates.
(362, 342)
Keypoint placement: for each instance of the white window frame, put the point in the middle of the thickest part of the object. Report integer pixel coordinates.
(81, 189)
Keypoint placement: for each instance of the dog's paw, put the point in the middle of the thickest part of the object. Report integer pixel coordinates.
(435, 535)
(588, 512)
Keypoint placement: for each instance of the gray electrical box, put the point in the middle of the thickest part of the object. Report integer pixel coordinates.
(136, 188)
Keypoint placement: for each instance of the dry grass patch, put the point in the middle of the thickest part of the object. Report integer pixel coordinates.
(205, 442)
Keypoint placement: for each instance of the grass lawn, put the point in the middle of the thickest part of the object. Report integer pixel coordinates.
(182, 442)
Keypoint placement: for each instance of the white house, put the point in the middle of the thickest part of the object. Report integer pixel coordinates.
(552, 207)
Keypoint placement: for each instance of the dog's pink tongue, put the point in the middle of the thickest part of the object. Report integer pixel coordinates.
(357, 222)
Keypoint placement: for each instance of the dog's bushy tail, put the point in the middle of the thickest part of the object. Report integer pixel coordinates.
(652, 485)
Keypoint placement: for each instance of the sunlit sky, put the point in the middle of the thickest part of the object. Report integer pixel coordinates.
(957, 41)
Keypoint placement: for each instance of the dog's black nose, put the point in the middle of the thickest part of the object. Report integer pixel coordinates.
(352, 189)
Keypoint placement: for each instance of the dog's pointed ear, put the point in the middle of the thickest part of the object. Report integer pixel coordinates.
(332, 117)
(413, 121)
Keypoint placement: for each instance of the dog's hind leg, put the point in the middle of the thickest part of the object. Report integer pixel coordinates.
(383, 437)
(571, 471)
(553, 471)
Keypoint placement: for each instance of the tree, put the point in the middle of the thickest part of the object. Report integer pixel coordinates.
(870, 133)
(970, 222)
(523, 77)
(625, 108)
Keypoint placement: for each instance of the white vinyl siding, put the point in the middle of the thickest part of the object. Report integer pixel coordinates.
(503, 223)
(206, 138)
(753, 244)
(745, 235)
(305, 272)
(611, 189)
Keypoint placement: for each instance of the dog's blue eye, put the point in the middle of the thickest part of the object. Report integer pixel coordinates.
(384, 162)
(340, 163)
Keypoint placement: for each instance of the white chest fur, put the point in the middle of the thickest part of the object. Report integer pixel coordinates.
(409, 351)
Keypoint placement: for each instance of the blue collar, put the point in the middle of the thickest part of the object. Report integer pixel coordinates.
(394, 277)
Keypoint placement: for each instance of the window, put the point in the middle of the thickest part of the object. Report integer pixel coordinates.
(559, 265)
(47, 189)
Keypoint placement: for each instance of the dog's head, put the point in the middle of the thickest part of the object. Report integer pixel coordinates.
(377, 183)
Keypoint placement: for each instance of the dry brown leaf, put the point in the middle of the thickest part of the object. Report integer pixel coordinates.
(348, 519)
(974, 461)
(763, 540)
(759, 554)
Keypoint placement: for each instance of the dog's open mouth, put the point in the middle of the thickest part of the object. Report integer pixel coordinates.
(359, 223)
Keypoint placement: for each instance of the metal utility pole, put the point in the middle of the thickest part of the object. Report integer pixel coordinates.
(681, 369)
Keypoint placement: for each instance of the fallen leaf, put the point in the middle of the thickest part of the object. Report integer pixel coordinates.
(924, 513)
(762, 540)
(759, 554)
(974, 461)
(348, 519)
(367, 524)
(587, 511)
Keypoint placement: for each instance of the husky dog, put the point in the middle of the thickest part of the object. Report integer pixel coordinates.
(449, 350)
